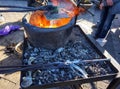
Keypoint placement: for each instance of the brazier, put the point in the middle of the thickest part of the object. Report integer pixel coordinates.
(79, 48)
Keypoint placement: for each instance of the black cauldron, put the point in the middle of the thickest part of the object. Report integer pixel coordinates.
(50, 38)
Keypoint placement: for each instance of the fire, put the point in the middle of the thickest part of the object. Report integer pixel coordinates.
(38, 19)
(64, 6)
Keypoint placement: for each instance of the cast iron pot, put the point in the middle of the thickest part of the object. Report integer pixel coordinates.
(50, 38)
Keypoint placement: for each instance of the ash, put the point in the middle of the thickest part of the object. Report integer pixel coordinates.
(78, 48)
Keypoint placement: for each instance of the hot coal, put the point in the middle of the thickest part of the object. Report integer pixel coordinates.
(78, 48)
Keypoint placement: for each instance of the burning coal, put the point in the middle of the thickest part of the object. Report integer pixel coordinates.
(39, 19)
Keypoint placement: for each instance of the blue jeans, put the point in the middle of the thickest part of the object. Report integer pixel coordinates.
(105, 23)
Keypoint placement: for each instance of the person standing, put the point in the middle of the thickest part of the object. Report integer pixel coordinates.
(109, 9)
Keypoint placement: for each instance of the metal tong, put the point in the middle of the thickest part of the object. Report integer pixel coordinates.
(27, 9)
(41, 66)
(51, 12)
(55, 65)
(67, 64)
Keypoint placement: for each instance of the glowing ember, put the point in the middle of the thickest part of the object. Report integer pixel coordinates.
(64, 6)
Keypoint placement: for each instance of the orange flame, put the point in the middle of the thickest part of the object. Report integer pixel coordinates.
(65, 6)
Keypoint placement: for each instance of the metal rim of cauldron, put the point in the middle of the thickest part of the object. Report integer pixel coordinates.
(71, 23)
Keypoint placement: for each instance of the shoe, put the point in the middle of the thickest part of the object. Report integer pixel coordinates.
(101, 41)
(95, 26)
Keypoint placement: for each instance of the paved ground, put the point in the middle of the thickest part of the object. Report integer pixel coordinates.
(11, 81)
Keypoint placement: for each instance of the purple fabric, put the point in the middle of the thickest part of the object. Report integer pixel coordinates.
(7, 29)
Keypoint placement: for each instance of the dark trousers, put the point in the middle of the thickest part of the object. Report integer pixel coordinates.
(105, 23)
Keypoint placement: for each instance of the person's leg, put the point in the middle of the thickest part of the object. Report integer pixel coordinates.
(106, 26)
(103, 17)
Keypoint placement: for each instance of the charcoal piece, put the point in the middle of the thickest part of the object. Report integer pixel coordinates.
(26, 82)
